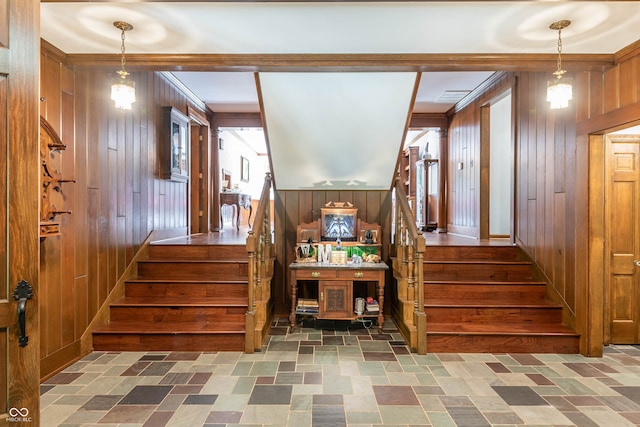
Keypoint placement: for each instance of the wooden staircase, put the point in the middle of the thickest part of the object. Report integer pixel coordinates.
(485, 299)
(185, 298)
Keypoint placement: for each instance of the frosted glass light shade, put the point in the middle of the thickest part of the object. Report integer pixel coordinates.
(559, 93)
(123, 93)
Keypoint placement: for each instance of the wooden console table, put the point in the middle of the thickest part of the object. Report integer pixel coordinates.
(239, 200)
(335, 288)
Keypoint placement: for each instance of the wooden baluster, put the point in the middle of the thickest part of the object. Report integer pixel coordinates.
(410, 273)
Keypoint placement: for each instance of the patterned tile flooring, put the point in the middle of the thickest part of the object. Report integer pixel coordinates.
(344, 376)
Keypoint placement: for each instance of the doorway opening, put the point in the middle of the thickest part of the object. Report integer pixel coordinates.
(242, 163)
(497, 169)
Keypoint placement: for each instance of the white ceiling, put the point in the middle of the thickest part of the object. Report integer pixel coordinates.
(336, 27)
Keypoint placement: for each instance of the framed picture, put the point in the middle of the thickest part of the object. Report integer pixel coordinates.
(176, 149)
(244, 169)
(339, 223)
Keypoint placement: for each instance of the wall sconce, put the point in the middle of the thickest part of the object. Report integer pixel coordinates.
(559, 89)
(123, 89)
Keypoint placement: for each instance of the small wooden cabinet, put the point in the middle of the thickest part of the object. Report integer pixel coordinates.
(335, 299)
(335, 286)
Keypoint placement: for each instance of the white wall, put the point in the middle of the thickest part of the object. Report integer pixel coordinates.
(500, 168)
(230, 155)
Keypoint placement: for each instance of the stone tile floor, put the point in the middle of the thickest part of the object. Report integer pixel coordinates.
(345, 375)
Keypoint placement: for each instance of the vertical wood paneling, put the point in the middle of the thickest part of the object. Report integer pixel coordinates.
(541, 173)
(596, 94)
(559, 225)
(93, 234)
(629, 95)
(559, 147)
(611, 89)
(581, 95)
(546, 225)
(118, 199)
(80, 305)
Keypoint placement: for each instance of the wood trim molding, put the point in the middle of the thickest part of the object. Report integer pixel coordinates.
(52, 51)
(344, 62)
(627, 52)
(591, 304)
(429, 120)
(238, 119)
(484, 90)
(192, 97)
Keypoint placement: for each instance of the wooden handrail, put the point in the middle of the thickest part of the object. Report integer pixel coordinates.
(260, 271)
(409, 244)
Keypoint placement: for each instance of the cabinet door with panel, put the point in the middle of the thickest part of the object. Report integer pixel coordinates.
(335, 299)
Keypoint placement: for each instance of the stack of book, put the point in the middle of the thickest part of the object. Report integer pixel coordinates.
(307, 306)
(372, 306)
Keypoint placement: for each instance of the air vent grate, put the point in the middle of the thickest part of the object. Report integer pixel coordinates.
(452, 96)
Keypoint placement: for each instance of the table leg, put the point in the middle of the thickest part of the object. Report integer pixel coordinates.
(294, 299)
(250, 212)
(380, 304)
(238, 216)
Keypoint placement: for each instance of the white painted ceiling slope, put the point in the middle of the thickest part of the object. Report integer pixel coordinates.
(292, 27)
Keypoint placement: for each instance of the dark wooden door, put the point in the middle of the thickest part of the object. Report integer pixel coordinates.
(335, 299)
(623, 240)
(19, 216)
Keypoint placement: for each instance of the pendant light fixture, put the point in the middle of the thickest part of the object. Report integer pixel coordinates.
(123, 89)
(559, 89)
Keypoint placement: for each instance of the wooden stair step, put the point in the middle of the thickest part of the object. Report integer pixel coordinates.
(501, 301)
(516, 338)
(499, 329)
(497, 282)
(475, 271)
(187, 309)
(166, 336)
(193, 269)
(175, 288)
(497, 262)
(494, 314)
(154, 301)
(167, 251)
(171, 328)
(485, 290)
(511, 253)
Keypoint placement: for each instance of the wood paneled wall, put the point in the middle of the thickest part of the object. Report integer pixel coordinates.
(552, 179)
(117, 200)
(295, 207)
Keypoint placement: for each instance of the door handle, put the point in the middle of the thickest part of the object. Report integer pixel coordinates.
(22, 293)
(636, 262)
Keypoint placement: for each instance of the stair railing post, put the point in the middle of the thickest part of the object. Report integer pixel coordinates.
(260, 252)
(408, 271)
(250, 318)
(420, 317)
